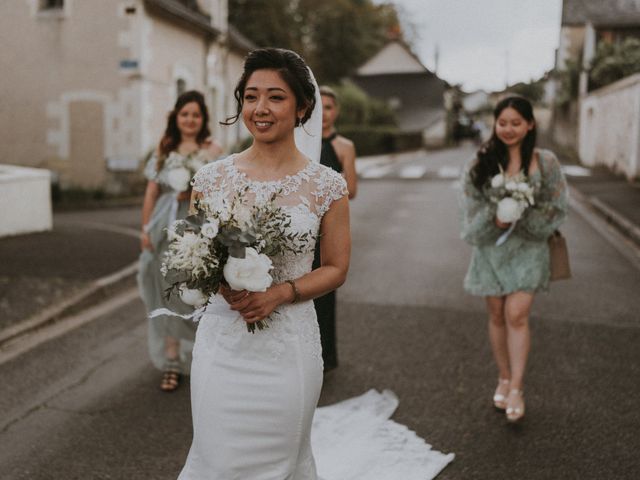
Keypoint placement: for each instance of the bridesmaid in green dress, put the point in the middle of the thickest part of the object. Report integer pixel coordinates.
(185, 142)
(509, 275)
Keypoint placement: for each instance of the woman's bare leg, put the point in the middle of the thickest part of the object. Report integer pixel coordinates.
(498, 335)
(517, 307)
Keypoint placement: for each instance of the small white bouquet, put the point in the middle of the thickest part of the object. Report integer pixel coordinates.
(512, 195)
(181, 169)
(228, 241)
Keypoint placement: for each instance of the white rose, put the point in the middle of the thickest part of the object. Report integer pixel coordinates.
(192, 296)
(178, 179)
(511, 186)
(497, 181)
(210, 229)
(509, 210)
(249, 273)
(523, 187)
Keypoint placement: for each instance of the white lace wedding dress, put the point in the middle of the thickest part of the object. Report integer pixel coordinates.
(254, 396)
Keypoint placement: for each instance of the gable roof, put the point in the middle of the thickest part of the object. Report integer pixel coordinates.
(183, 13)
(238, 41)
(394, 57)
(610, 13)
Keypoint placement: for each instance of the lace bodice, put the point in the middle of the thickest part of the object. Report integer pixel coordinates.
(306, 197)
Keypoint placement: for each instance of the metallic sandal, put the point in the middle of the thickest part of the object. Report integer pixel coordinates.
(515, 412)
(500, 399)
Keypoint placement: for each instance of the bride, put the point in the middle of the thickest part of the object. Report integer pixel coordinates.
(254, 396)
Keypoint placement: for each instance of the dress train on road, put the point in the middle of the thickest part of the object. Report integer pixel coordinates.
(356, 440)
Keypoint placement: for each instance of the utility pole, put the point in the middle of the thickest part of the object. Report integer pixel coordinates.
(506, 69)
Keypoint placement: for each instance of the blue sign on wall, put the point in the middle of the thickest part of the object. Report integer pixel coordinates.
(129, 64)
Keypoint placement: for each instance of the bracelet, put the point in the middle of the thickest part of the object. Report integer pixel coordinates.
(146, 228)
(296, 292)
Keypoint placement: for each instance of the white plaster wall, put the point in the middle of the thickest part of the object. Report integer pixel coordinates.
(25, 200)
(49, 61)
(232, 134)
(170, 52)
(609, 127)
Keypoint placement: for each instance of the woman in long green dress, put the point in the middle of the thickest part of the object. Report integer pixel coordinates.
(185, 146)
(508, 275)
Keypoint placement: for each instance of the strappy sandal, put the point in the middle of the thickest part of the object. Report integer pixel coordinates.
(515, 406)
(500, 398)
(170, 377)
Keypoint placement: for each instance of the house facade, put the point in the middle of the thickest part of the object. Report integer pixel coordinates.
(87, 84)
(586, 23)
(396, 76)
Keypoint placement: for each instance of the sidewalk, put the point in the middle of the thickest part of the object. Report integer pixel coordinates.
(612, 196)
(46, 275)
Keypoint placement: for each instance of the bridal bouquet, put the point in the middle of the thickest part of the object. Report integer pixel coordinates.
(228, 241)
(512, 195)
(181, 169)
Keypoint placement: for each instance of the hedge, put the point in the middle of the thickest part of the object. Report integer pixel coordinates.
(379, 140)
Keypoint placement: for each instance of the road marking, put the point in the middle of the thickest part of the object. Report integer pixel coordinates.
(576, 171)
(413, 171)
(24, 343)
(449, 172)
(364, 165)
(131, 232)
(376, 172)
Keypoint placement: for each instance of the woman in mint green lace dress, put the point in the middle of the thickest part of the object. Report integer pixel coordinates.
(185, 143)
(509, 275)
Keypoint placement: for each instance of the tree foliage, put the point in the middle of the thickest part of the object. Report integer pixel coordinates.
(357, 108)
(334, 36)
(569, 83)
(533, 90)
(614, 61)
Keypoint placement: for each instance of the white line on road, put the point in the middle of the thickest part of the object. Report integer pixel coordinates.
(449, 171)
(22, 344)
(413, 171)
(576, 171)
(376, 172)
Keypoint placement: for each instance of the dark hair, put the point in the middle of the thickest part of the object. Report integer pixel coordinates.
(327, 91)
(172, 136)
(292, 69)
(493, 153)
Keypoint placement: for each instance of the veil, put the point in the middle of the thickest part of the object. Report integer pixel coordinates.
(309, 136)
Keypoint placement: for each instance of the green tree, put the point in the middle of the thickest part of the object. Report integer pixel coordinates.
(334, 36)
(357, 108)
(614, 61)
(569, 83)
(268, 23)
(534, 91)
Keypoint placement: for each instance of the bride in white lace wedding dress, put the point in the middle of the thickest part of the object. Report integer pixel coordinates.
(254, 395)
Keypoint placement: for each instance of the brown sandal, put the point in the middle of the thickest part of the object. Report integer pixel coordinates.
(170, 377)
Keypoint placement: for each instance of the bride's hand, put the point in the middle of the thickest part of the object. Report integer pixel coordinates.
(256, 306)
(232, 296)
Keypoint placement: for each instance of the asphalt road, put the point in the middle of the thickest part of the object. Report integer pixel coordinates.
(86, 404)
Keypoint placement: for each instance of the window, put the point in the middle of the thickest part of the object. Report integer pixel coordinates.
(51, 5)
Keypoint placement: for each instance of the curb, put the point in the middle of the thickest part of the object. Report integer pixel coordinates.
(98, 290)
(621, 223)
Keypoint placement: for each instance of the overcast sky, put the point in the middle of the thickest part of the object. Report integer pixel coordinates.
(484, 43)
